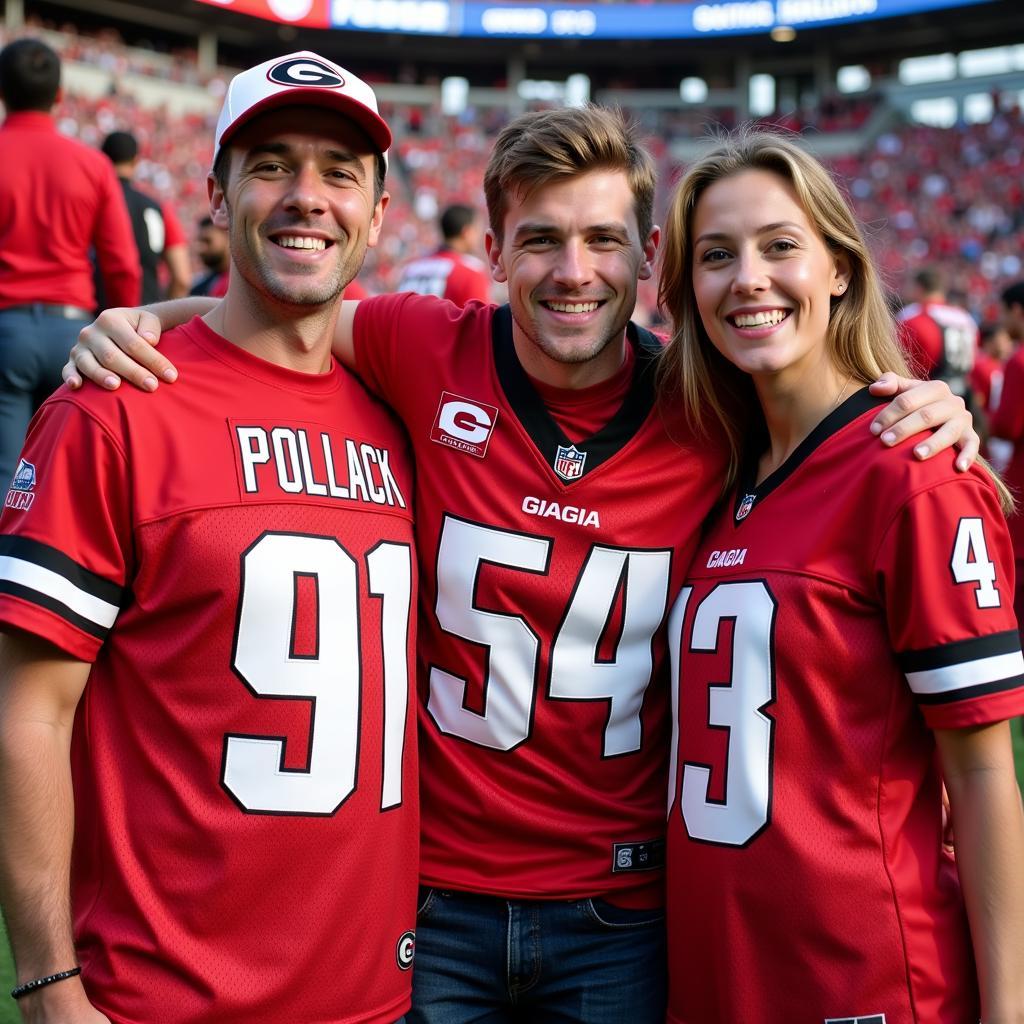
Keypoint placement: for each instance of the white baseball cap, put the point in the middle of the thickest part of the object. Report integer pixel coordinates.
(306, 79)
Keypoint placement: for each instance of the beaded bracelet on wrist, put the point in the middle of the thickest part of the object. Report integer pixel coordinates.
(38, 983)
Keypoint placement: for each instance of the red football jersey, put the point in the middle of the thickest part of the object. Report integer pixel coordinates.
(832, 615)
(1007, 422)
(234, 555)
(940, 340)
(547, 569)
(455, 276)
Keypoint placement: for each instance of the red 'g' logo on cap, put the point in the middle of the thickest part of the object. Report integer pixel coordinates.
(307, 72)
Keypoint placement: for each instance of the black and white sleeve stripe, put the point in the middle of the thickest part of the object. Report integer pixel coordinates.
(965, 669)
(47, 577)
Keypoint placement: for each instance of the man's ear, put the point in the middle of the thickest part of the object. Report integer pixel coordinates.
(218, 202)
(377, 220)
(650, 253)
(497, 264)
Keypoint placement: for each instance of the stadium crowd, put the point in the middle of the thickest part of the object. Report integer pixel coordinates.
(927, 195)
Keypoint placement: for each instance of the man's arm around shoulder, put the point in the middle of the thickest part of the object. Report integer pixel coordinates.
(120, 344)
(40, 688)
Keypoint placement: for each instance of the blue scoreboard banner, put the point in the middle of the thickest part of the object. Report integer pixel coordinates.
(615, 20)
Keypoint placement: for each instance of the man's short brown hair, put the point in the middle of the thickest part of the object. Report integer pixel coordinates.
(538, 148)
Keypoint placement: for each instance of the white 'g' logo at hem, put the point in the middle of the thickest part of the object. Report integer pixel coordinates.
(406, 950)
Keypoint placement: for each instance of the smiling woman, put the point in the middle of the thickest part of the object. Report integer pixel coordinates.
(866, 623)
(790, 251)
(764, 279)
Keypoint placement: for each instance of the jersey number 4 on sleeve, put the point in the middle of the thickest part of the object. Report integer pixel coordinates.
(970, 562)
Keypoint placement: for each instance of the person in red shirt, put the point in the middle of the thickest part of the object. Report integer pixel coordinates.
(845, 628)
(995, 346)
(1007, 422)
(59, 201)
(940, 338)
(455, 272)
(208, 799)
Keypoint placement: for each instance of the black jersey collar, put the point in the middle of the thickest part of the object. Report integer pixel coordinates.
(544, 431)
(749, 493)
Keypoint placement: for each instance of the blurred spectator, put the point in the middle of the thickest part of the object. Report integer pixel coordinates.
(940, 338)
(1012, 299)
(158, 234)
(952, 196)
(455, 272)
(996, 346)
(58, 200)
(213, 252)
(1007, 422)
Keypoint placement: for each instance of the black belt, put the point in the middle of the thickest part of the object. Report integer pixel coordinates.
(51, 309)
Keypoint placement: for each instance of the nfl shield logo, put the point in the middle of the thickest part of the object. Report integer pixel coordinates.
(745, 506)
(569, 462)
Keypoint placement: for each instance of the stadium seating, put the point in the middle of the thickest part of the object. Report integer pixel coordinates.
(953, 196)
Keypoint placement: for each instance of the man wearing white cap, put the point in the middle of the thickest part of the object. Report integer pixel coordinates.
(205, 721)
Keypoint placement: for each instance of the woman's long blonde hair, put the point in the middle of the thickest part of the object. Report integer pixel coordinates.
(861, 335)
(861, 331)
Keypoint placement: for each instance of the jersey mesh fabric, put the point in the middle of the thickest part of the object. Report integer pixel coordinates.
(805, 801)
(208, 888)
(543, 696)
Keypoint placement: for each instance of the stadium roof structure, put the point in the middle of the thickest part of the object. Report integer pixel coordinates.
(741, 37)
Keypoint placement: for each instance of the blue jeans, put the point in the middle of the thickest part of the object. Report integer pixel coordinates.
(486, 960)
(34, 345)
